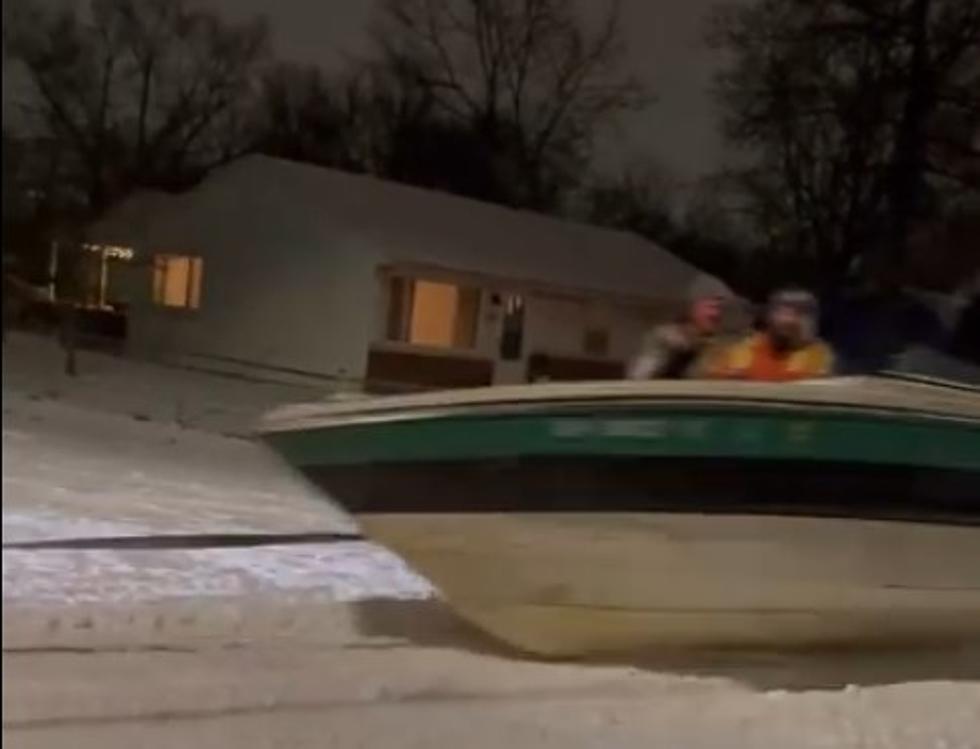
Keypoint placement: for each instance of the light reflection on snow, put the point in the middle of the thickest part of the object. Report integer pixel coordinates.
(345, 571)
(75, 469)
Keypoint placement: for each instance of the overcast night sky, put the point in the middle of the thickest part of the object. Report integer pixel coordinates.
(666, 50)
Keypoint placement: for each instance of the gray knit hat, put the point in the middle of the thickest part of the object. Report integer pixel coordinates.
(799, 299)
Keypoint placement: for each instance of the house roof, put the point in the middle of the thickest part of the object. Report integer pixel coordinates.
(420, 226)
(128, 222)
(401, 224)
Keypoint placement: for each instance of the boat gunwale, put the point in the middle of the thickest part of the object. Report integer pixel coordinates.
(384, 413)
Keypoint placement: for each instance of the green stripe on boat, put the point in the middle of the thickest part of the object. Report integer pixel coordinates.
(886, 439)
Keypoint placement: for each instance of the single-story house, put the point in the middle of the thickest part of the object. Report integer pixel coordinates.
(281, 265)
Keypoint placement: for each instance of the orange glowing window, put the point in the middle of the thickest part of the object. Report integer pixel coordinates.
(177, 281)
(431, 313)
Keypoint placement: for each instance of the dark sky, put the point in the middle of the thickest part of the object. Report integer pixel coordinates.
(666, 50)
(679, 132)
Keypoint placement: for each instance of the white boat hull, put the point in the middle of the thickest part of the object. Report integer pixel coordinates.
(563, 584)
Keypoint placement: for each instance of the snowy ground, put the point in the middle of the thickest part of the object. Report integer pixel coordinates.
(73, 467)
(107, 647)
(91, 459)
(335, 572)
(34, 366)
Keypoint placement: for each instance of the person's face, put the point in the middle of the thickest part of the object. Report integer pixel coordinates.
(786, 324)
(706, 316)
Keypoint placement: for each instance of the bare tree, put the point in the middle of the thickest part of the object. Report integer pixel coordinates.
(839, 106)
(525, 76)
(642, 198)
(364, 119)
(817, 136)
(637, 198)
(305, 116)
(136, 91)
(938, 74)
(379, 119)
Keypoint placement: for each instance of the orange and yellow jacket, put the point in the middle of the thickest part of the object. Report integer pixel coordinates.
(754, 358)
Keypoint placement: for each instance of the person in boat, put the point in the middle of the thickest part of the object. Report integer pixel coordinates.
(675, 350)
(787, 347)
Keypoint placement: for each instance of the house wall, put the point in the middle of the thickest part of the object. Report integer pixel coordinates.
(555, 322)
(294, 296)
(557, 328)
(314, 317)
(292, 262)
(323, 310)
(557, 325)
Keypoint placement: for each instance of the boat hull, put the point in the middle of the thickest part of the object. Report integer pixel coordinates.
(574, 521)
(568, 584)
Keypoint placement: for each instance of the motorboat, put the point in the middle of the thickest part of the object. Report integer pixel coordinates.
(579, 518)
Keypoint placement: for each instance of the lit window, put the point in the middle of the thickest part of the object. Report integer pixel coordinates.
(430, 313)
(177, 281)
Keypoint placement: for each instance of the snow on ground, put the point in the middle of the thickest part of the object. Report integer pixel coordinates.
(45, 525)
(34, 366)
(341, 571)
(337, 572)
(77, 463)
(86, 466)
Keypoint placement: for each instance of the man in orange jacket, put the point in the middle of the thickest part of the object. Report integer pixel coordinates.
(787, 349)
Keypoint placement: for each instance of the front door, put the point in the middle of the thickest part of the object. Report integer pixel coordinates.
(510, 355)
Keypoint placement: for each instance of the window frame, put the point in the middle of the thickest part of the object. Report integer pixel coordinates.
(192, 293)
(400, 308)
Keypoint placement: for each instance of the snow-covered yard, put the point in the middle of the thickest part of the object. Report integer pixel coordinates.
(83, 465)
(111, 646)
(347, 571)
(34, 366)
(102, 456)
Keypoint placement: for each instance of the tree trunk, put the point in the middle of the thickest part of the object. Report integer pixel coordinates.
(908, 165)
